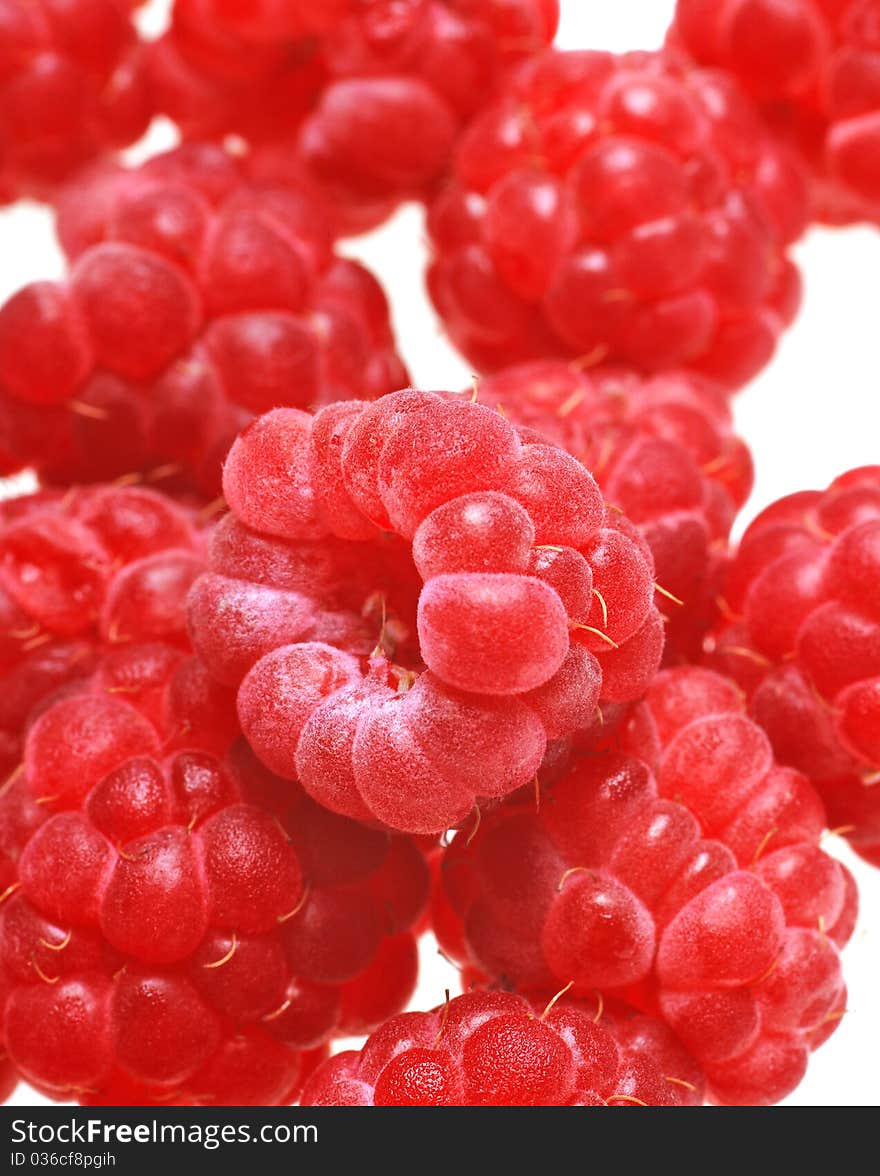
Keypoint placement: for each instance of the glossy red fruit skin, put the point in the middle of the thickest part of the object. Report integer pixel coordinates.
(413, 603)
(195, 300)
(624, 209)
(812, 67)
(696, 890)
(664, 452)
(497, 1049)
(73, 88)
(191, 930)
(366, 102)
(800, 636)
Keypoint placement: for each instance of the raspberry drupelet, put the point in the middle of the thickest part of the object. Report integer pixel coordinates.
(696, 890)
(380, 90)
(663, 451)
(194, 301)
(92, 589)
(801, 634)
(624, 208)
(412, 602)
(72, 88)
(488, 1049)
(813, 66)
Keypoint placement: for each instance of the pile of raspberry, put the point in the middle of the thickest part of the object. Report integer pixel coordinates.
(623, 208)
(365, 97)
(302, 669)
(195, 299)
(813, 67)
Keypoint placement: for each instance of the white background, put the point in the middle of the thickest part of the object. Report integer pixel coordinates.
(810, 416)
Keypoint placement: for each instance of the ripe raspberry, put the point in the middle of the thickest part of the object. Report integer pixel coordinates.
(386, 86)
(181, 929)
(92, 588)
(72, 87)
(801, 635)
(194, 301)
(8, 1080)
(498, 1049)
(813, 67)
(716, 909)
(412, 601)
(628, 208)
(663, 451)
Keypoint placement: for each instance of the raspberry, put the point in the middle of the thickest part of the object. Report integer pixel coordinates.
(493, 1049)
(699, 893)
(8, 1080)
(379, 90)
(812, 66)
(219, 69)
(182, 928)
(693, 713)
(194, 301)
(663, 451)
(411, 601)
(628, 208)
(92, 587)
(72, 87)
(800, 634)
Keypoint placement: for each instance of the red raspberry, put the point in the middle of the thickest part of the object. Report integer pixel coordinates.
(497, 1049)
(181, 930)
(194, 301)
(801, 634)
(628, 208)
(92, 587)
(223, 69)
(388, 83)
(813, 67)
(663, 451)
(8, 1080)
(699, 892)
(412, 601)
(72, 87)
